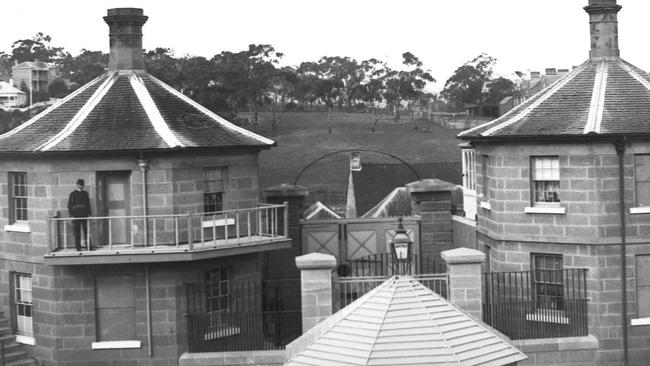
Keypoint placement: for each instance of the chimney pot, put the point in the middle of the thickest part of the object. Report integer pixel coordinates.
(550, 71)
(603, 24)
(535, 74)
(125, 36)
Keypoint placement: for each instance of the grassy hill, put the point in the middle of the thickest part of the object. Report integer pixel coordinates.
(303, 137)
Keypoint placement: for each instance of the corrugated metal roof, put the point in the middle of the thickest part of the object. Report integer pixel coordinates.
(602, 96)
(126, 110)
(402, 322)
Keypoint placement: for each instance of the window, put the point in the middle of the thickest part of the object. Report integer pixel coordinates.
(213, 189)
(545, 179)
(217, 290)
(642, 286)
(548, 281)
(469, 169)
(22, 303)
(17, 185)
(485, 180)
(642, 179)
(115, 308)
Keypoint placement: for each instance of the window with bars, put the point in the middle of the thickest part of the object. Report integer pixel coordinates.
(217, 290)
(214, 184)
(642, 179)
(548, 281)
(17, 197)
(545, 177)
(22, 303)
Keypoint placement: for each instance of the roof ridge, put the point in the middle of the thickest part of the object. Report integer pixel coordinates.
(51, 108)
(155, 118)
(81, 114)
(627, 68)
(597, 105)
(381, 324)
(211, 114)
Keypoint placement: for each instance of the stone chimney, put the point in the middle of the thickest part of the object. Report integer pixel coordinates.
(603, 28)
(125, 34)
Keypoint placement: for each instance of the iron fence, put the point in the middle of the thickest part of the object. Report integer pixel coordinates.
(352, 288)
(242, 315)
(537, 304)
(382, 264)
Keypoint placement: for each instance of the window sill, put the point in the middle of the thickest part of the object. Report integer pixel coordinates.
(220, 331)
(639, 210)
(640, 321)
(116, 344)
(548, 316)
(486, 205)
(23, 339)
(545, 210)
(19, 227)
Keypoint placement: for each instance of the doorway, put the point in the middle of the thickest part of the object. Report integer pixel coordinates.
(114, 201)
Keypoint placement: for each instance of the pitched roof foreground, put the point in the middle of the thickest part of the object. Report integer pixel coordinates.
(401, 322)
(126, 110)
(604, 95)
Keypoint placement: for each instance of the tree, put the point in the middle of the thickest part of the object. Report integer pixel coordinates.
(162, 64)
(36, 48)
(84, 67)
(469, 83)
(499, 88)
(58, 88)
(406, 85)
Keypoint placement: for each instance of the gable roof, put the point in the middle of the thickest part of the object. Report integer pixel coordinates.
(8, 89)
(603, 96)
(127, 110)
(320, 211)
(402, 322)
(36, 65)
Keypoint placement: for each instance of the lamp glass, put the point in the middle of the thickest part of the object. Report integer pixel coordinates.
(401, 251)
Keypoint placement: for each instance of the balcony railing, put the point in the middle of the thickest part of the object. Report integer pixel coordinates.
(180, 233)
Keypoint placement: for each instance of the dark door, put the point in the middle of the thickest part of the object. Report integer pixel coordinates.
(114, 202)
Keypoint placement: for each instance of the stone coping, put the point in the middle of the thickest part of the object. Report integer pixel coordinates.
(285, 190)
(463, 255)
(277, 357)
(557, 344)
(430, 185)
(316, 261)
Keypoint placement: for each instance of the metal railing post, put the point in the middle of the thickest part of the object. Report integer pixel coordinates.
(190, 240)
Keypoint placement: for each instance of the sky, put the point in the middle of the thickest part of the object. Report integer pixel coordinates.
(523, 35)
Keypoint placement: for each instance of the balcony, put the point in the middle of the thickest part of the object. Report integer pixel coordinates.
(169, 238)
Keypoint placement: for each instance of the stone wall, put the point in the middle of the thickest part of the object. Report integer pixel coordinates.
(587, 234)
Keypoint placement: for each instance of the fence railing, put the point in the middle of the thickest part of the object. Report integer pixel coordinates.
(189, 230)
(382, 264)
(243, 315)
(537, 304)
(352, 288)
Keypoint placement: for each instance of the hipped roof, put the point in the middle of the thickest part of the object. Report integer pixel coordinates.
(603, 96)
(402, 322)
(127, 110)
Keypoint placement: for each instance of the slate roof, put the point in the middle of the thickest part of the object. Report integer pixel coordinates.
(401, 322)
(8, 89)
(127, 110)
(603, 96)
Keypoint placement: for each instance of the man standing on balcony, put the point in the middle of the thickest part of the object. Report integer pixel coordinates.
(79, 207)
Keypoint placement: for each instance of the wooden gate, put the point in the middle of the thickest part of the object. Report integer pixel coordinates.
(350, 239)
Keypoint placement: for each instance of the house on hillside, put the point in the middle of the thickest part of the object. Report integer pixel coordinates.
(563, 182)
(11, 96)
(174, 198)
(38, 74)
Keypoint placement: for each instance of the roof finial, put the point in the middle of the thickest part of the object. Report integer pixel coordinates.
(603, 28)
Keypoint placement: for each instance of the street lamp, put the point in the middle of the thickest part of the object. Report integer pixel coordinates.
(401, 247)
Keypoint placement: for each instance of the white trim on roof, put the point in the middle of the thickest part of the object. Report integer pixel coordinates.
(81, 115)
(634, 74)
(156, 119)
(559, 84)
(213, 115)
(52, 108)
(597, 106)
(321, 207)
(381, 207)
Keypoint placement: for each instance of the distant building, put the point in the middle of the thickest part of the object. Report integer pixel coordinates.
(10, 96)
(39, 74)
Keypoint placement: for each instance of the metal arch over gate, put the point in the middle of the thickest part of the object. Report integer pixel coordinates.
(415, 173)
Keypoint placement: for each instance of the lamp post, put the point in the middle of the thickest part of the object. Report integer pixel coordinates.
(401, 246)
